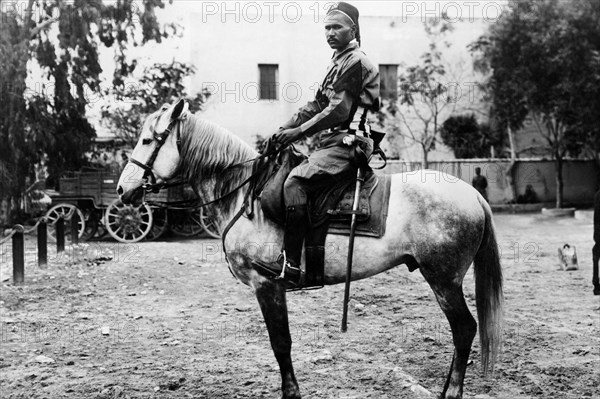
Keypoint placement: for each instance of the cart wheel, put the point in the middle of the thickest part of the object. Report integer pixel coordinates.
(186, 223)
(209, 224)
(128, 223)
(63, 209)
(159, 225)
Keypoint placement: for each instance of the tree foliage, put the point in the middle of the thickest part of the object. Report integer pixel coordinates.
(470, 139)
(543, 60)
(159, 84)
(62, 37)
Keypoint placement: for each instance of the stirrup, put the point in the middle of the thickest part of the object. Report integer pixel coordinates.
(284, 265)
(290, 274)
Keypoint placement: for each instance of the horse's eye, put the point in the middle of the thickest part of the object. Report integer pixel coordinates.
(146, 141)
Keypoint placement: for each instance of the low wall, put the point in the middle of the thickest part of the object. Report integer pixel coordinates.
(579, 177)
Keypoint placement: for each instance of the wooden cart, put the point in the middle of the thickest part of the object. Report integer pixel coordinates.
(93, 195)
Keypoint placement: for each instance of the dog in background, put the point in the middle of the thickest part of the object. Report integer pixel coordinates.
(567, 256)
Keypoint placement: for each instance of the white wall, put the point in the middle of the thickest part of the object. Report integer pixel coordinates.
(227, 52)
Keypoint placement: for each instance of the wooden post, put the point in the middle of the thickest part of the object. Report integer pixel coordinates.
(60, 235)
(74, 229)
(18, 247)
(42, 244)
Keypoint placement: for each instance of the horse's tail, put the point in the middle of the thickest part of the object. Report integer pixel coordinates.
(488, 291)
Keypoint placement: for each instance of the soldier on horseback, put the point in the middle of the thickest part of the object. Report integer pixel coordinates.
(339, 114)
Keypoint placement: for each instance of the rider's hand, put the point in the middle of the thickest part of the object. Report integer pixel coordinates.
(287, 136)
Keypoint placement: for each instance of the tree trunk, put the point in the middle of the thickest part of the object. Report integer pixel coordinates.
(559, 179)
(425, 162)
(4, 211)
(511, 142)
(512, 170)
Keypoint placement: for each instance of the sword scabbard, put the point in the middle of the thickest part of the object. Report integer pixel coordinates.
(360, 177)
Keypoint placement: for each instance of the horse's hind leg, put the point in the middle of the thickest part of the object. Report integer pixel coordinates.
(463, 325)
(271, 297)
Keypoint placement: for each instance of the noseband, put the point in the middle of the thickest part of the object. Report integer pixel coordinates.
(150, 184)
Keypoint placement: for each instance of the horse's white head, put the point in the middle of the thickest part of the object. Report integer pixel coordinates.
(155, 157)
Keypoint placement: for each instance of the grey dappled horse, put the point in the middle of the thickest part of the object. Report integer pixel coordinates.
(436, 222)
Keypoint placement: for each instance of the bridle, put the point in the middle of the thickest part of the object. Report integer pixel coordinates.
(150, 184)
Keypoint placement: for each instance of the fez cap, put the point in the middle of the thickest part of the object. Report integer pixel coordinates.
(348, 10)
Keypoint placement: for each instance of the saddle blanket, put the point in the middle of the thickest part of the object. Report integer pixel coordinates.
(373, 208)
(333, 205)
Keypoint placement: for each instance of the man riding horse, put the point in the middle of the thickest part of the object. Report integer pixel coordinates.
(448, 225)
(339, 113)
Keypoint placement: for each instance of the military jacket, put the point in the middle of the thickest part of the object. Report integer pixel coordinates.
(351, 81)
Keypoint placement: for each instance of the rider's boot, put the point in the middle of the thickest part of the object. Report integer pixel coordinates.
(287, 265)
(315, 261)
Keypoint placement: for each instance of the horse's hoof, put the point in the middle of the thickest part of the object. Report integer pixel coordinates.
(445, 395)
(291, 394)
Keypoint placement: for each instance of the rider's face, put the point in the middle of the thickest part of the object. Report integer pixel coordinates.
(339, 30)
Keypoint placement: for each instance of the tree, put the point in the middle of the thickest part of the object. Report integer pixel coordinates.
(159, 84)
(423, 96)
(543, 60)
(63, 38)
(470, 139)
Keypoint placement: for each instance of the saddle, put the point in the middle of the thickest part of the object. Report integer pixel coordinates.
(332, 207)
(331, 211)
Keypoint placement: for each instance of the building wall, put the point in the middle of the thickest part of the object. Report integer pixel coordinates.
(579, 176)
(227, 52)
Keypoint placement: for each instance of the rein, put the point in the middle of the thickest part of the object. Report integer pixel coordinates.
(269, 151)
(190, 203)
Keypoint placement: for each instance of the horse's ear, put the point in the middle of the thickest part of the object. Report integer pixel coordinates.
(174, 112)
(179, 109)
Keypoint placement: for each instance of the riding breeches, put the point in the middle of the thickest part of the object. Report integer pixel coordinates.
(323, 169)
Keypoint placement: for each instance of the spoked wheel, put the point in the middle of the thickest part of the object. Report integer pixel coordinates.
(209, 224)
(160, 223)
(186, 223)
(128, 223)
(62, 210)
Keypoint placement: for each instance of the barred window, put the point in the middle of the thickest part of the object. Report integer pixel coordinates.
(268, 81)
(388, 81)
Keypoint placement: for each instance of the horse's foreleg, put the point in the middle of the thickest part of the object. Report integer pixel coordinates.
(464, 327)
(271, 297)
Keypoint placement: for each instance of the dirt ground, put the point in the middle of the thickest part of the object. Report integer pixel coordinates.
(167, 320)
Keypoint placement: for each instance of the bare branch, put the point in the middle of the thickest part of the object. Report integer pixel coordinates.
(41, 26)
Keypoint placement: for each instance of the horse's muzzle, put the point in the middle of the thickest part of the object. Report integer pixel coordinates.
(133, 197)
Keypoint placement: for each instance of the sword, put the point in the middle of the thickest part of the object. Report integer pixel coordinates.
(360, 178)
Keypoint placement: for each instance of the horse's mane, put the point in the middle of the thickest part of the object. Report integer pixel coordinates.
(207, 153)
